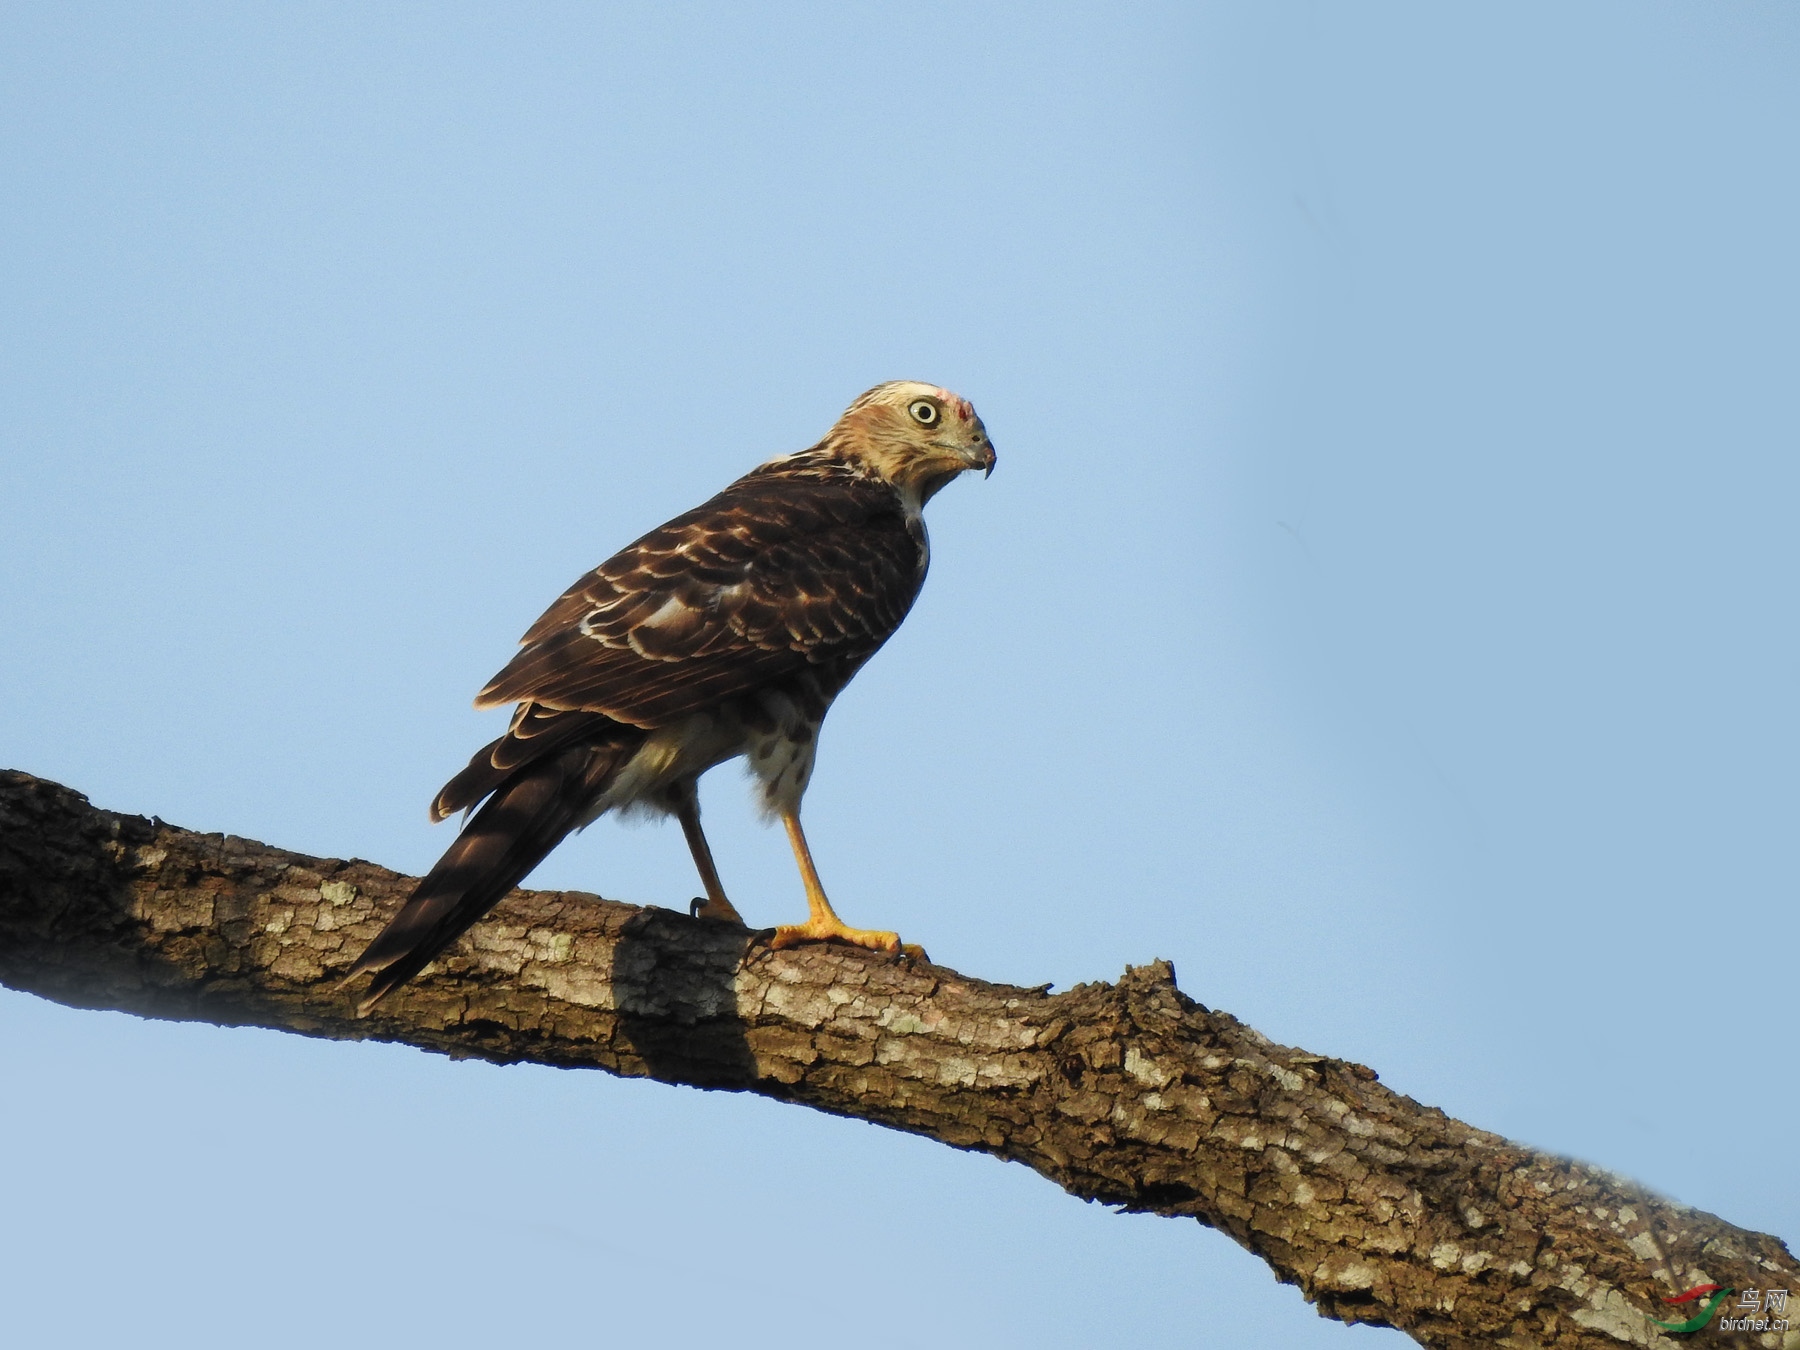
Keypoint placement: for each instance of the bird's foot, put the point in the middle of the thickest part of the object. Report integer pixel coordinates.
(831, 930)
(720, 908)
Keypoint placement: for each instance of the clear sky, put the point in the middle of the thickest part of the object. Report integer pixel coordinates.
(1383, 608)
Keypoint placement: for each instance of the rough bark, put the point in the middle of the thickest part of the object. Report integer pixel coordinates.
(1381, 1210)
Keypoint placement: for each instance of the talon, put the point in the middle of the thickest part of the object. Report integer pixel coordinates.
(720, 910)
(818, 930)
(715, 906)
(915, 951)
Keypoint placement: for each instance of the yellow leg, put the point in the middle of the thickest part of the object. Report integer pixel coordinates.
(822, 923)
(687, 811)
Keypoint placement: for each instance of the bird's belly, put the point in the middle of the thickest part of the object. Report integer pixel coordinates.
(780, 745)
(672, 754)
(783, 766)
(775, 729)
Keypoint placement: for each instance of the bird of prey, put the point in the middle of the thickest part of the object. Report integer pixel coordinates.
(726, 632)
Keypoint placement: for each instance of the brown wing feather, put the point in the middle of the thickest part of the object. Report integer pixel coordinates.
(780, 572)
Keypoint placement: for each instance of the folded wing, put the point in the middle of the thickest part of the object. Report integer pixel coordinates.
(774, 575)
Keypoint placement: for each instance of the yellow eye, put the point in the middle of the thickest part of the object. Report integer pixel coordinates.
(923, 411)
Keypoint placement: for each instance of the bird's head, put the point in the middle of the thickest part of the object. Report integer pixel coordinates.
(916, 436)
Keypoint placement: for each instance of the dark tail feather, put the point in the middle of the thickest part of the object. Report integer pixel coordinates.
(524, 819)
(535, 733)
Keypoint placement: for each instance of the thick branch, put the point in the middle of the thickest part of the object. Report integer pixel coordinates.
(1380, 1209)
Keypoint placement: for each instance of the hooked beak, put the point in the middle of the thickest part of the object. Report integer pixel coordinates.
(958, 457)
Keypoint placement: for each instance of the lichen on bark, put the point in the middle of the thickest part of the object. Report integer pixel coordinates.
(1130, 1093)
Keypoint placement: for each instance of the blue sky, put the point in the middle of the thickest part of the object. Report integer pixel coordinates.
(1382, 608)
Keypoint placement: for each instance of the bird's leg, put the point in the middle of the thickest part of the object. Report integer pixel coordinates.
(822, 923)
(687, 811)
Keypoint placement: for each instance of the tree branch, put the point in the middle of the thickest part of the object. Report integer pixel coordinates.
(1379, 1209)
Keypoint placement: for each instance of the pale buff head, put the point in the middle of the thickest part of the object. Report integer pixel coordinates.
(916, 436)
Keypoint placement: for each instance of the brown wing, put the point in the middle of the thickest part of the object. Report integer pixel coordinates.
(780, 572)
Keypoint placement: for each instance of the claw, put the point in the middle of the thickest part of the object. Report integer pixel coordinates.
(720, 910)
(817, 930)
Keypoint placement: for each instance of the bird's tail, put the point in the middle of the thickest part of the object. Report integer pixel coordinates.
(527, 816)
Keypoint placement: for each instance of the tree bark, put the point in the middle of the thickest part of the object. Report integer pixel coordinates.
(1381, 1210)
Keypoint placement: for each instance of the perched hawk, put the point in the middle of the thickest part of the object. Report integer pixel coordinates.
(726, 632)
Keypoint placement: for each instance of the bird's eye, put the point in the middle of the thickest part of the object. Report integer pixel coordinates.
(923, 411)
